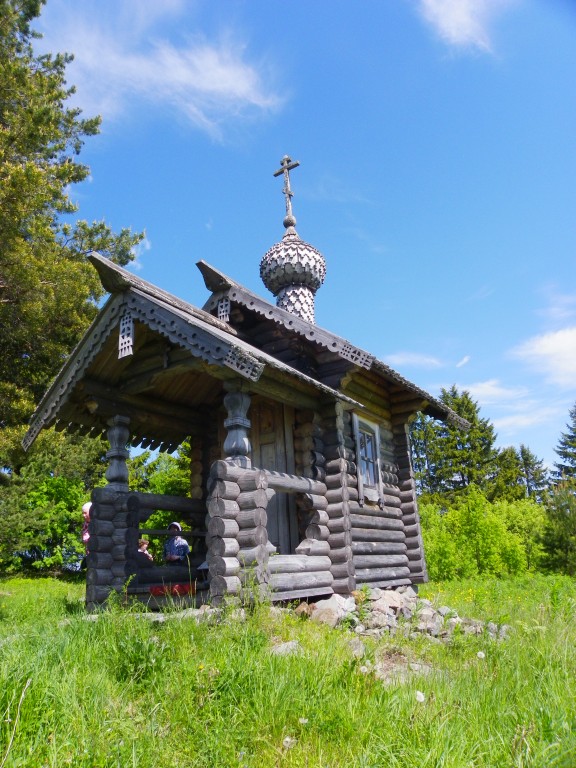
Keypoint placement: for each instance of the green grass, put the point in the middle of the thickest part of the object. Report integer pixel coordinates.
(125, 692)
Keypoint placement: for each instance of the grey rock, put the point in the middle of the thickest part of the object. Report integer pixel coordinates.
(286, 649)
(357, 648)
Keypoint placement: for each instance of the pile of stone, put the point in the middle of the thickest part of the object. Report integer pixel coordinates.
(377, 612)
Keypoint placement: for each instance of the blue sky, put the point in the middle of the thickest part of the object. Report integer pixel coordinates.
(437, 142)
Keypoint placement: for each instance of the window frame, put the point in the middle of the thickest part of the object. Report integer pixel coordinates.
(367, 493)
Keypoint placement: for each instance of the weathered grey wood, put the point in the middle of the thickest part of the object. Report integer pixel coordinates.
(311, 501)
(256, 498)
(101, 560)
(289, 581)
(414, 554)
(344, 586)
(340, 555)
(416, 565)
(337, 466)
(379, 561)
(340, 539)
(338, 452)
(222, 507)
(391, 501)
(222, 585)
(252, 555)
(338, 524)
(341, 481)
(342, 570)
(301, 593)
(98, 576)
(410, 519)
(344, 493)
(414, 543)
(371, 534)
(378, 523)
(381, 574)
(253, 480)
(411, 530)
(376, 511)
(338, 509)
(298, 563)
(251, 518)
(379, 548)
(318, 517)
(222, 527)
(281, 481)
(252, 537)
(320, 532)
(313, 547)
(391, 583)
(223, 547)
(224, 566)
(223, 489)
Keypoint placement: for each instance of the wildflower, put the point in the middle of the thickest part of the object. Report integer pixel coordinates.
(481, 655)
(289, 742)
(303, 720)
(420, 696)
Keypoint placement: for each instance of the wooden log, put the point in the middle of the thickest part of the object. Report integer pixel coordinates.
(342, 570)
(280, 481)
(252, 537)
(98, 576)
(414, 543)
(345, 585)
(390, 583)
(102, 560)
(223, 547)
(379, 561)
(341, 480)
(320, 532)
(223, 489)
(251, 518)
(298, 563)
(150, 502)
(371, 534)
(338, 509)
(391, 501)
(336, 495)
(341, 555)
(339, 452)
(338, 524)
(282, 582)
(250, 556)
(377, 522)
(318, 517)
(313, 547)
(317, 458)
(414, 554)
(222, 527)
(381, 574)
(223, 566)
(102, 528)
(224, 585)
(255, 480)
(311, 501)
(390, 513)
(411, 519)
(411, 530)
(340, 539)
(222, 508)
(101, 543)
(227, 470)
(252, 499)
(379, 548)
(118, 551)
(337, 466)
(416, 566)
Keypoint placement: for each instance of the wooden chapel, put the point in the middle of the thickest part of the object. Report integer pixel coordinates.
(300, 471)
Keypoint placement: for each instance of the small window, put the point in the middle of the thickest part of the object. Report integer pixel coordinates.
(367, 460)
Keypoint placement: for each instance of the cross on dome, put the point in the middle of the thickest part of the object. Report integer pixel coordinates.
(288, 165)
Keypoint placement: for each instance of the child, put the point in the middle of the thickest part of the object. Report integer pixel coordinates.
(143, 547)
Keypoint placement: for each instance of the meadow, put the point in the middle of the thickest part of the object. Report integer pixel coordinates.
(128, 692)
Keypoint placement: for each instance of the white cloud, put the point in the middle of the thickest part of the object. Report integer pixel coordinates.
(464, 361)
(464, 23)
(139, 250)
(561, 306)
(553, 355)
(527, 416)
(413, 359)
(117, 62)
(491, 392)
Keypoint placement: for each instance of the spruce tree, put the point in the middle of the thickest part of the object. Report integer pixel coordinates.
(566, 449)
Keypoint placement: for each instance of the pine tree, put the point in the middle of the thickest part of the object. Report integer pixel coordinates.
(566, 449)
(534, 473)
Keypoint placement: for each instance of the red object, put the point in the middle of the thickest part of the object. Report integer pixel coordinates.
(177, 590)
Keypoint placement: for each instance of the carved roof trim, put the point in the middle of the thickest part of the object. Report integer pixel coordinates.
(116, 279)
(222, 286)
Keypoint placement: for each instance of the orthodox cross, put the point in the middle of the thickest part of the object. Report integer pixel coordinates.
(287, 166)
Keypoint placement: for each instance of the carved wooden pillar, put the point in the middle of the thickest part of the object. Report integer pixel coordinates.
(112, 529)
(237, 446)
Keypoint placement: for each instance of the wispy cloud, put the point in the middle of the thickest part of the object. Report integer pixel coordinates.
(492, 392)
(561, 306)
(461, 363)
(463, 23)
(413, 360)
(117, 61)
(553, 355)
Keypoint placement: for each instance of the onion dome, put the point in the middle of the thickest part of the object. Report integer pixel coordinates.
(292, 269)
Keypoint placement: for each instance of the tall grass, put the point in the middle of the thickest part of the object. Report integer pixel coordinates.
(124, 691)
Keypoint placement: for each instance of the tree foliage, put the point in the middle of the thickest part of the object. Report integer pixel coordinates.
(566, 449)
(48, 290)
(560, 537)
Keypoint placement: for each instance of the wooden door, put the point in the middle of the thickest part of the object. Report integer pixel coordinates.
(272, 448)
